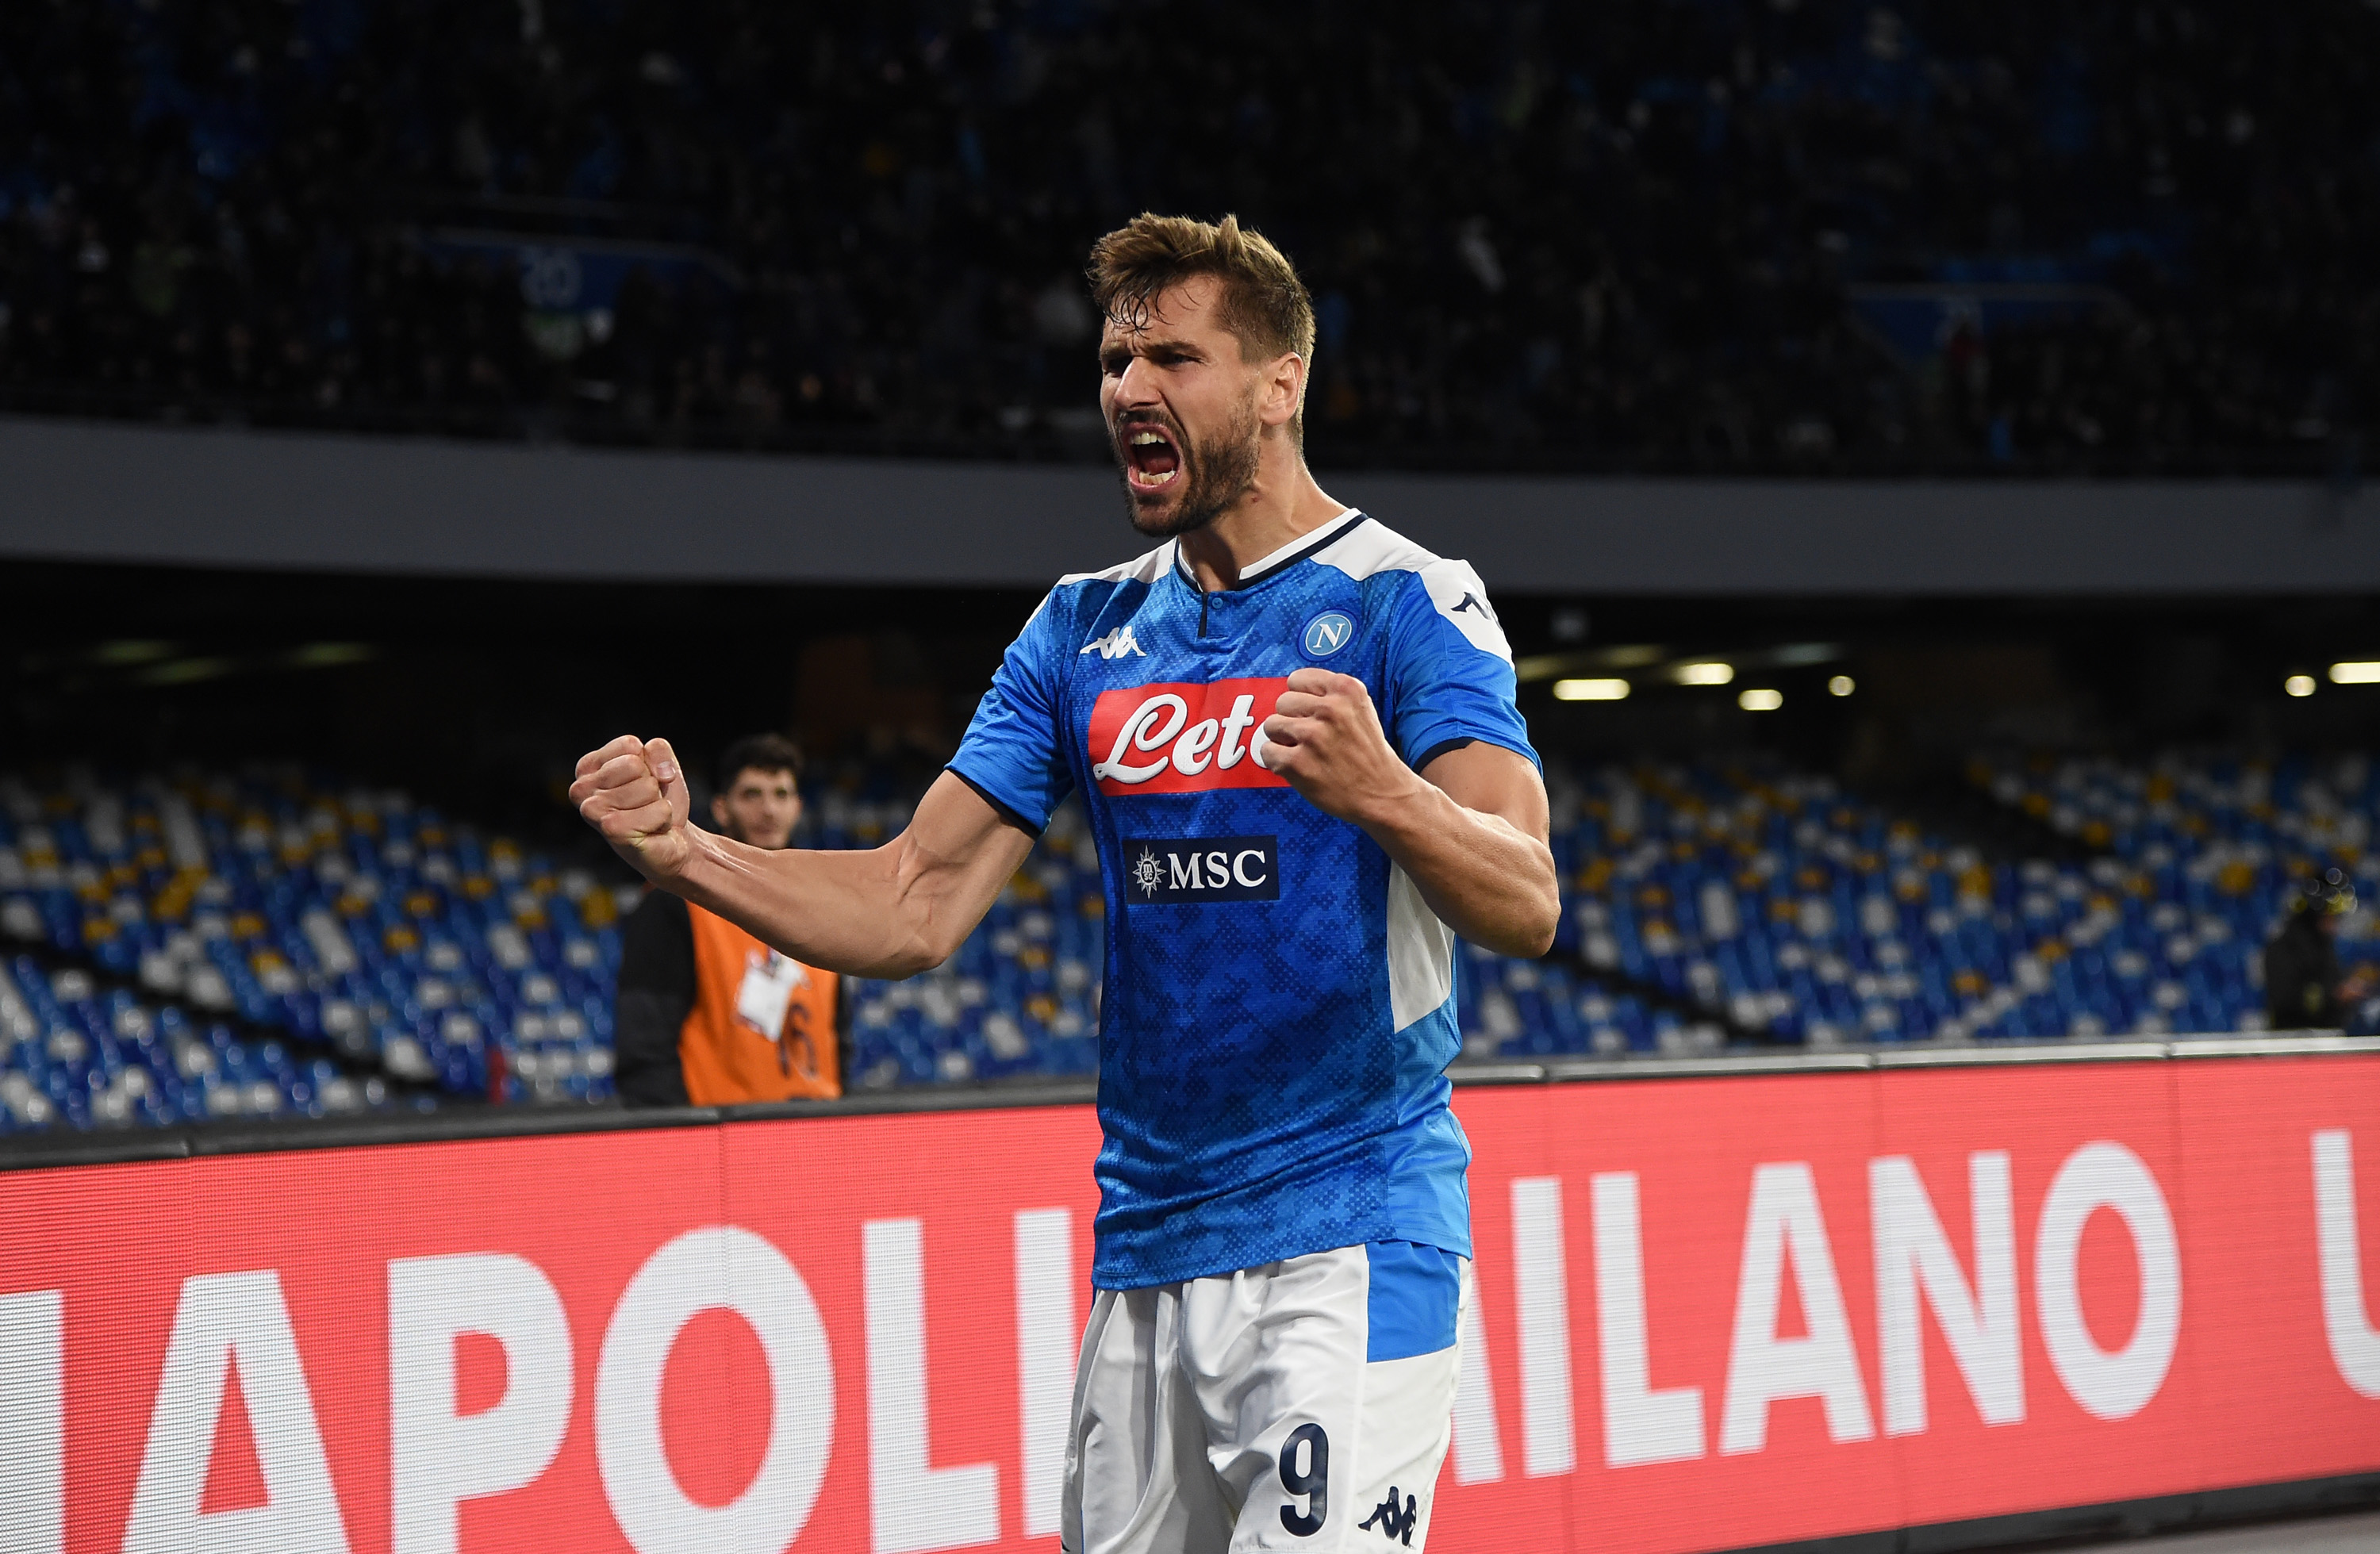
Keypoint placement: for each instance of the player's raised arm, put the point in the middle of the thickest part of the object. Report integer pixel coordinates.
(1469, 827)
(892, 911)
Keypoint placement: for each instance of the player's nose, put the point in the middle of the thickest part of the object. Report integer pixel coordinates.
(1137, 385)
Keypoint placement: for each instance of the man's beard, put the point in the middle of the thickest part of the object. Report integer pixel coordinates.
(1216, 473)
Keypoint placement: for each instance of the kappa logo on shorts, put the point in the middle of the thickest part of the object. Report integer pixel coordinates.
(1395, 1526)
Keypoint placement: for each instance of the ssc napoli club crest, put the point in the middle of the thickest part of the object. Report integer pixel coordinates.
(1327, 632)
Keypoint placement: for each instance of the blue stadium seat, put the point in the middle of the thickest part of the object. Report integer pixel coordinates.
(256, 946)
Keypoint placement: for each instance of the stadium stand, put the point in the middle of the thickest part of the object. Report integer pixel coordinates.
(267, 947)
(90, 1060)
(1797, 911)
(203, 948)
(1809, 236)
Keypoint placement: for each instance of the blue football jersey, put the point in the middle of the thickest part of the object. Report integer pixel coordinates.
(1279, 1008)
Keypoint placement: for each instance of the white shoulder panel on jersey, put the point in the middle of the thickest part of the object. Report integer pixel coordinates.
(1461, 598)
(1140, 569)
(1372, 547)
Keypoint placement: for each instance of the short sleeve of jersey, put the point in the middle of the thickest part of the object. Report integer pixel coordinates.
(1011, 753)
(1452, 668)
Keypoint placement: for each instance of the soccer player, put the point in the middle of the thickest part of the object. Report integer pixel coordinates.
(1295, 735)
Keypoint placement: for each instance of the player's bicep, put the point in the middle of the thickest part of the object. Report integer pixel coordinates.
(957, 829)
(959, 849)
(1491, 779)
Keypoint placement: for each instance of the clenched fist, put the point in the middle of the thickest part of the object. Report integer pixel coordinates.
(1325, 736)
(632, 791)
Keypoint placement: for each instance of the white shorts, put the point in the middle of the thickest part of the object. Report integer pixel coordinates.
(1299, 1405)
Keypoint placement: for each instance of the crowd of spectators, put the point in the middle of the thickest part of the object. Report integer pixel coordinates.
(1639, 235)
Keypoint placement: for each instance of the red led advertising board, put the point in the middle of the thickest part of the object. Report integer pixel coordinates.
(1712, 1313)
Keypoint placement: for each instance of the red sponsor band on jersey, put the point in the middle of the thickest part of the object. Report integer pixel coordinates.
(1175, 737)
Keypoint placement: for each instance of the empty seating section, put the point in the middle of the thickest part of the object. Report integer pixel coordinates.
(77, 1056)
(217, 947)
(1022, 995)
(2215, 844)
(2234, 827)
(1791, 909)
(272, 947)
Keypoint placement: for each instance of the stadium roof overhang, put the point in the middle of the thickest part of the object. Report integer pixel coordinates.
(77, 490)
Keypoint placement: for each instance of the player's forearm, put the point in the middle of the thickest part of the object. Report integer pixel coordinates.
(1486, 878)
(862, 913)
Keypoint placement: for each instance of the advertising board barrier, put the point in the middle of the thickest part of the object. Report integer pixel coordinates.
(1713, 1313)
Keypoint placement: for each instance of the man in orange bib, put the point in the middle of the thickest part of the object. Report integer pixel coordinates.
(708, 1015)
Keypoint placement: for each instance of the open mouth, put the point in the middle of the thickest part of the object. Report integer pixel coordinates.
(1150, 458)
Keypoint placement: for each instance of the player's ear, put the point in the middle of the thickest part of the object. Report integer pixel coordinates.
(1284, 389)
(719, 811)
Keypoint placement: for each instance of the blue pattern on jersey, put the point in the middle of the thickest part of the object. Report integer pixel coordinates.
(1258, 1100)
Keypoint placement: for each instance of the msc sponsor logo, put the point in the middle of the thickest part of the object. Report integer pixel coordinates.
(1176, 739)
(1327, 632)
(1201, 868)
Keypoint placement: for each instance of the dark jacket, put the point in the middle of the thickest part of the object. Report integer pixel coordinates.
(2301, 976)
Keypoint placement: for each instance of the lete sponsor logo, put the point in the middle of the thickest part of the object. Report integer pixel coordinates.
(1175, 737)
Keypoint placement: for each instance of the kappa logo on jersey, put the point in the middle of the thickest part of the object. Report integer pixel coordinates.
(1116, 644)
(1201, 868)
(1394, 1524)
(1473, 601)
(1178, 738)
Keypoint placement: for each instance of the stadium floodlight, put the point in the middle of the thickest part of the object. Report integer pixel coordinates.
(1590, 690)
(1840, 686)
(2299, 684)
(1760, 700)
(1705, 674)
(2366, 673)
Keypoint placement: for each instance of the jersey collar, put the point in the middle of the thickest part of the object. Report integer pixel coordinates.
(1288, 555)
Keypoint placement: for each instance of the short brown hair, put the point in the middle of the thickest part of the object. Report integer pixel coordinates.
(1262, 302)
(758, 752)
